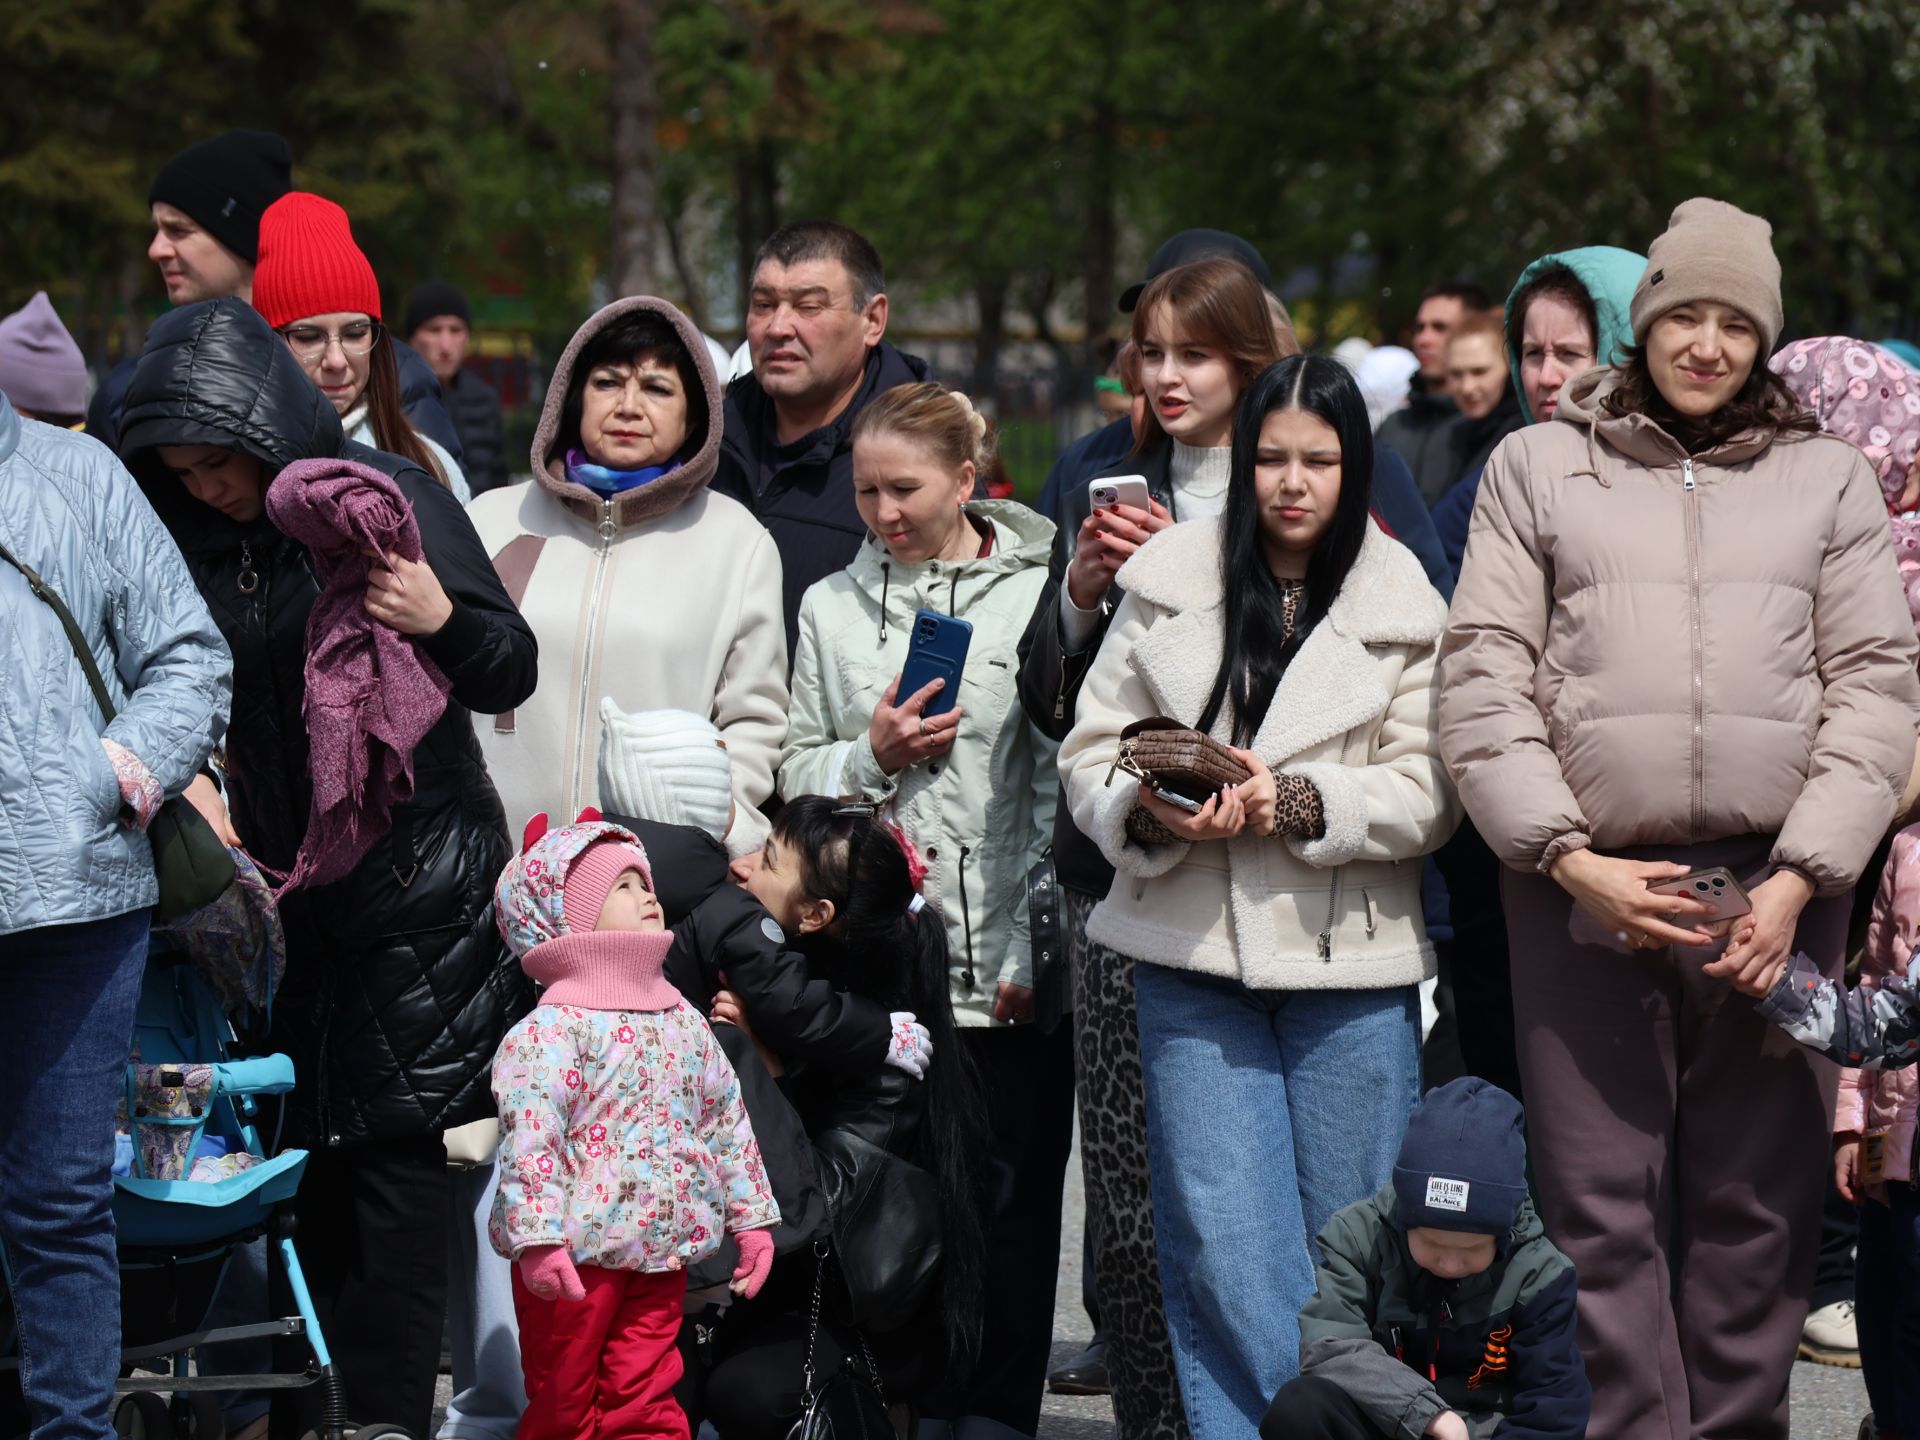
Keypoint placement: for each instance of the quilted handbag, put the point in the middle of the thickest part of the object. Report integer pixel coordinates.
(1171, 756)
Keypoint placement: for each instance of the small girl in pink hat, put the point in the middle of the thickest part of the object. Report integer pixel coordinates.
(625, 1150)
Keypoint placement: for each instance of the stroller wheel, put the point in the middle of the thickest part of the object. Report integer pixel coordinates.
(208, 1421)
(143, 1416)
(382, 1432)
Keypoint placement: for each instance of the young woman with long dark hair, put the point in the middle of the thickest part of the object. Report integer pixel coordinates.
(1277, 943)
(840, 883)
(1679, 642)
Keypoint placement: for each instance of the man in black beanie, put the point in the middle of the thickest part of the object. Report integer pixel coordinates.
(206, 204)
(439, 325)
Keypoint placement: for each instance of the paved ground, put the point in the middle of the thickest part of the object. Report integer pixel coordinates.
(1827, 1402)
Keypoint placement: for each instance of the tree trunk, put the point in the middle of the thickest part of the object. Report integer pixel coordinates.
(635, 195)
(1101, 232)
(990, 296)
(691, 294)
(757, 199)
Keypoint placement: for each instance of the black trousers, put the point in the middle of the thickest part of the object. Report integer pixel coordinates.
(1480, 971)
(1309, 1408)
(1028, 1078)
(372, 1239)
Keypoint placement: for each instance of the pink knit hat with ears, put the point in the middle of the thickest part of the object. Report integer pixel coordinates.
(591, 878)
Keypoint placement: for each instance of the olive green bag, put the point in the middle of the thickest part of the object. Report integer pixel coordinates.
(189, 860)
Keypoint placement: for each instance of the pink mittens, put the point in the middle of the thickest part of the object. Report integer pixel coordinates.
(549, 1273)
(756, 1259)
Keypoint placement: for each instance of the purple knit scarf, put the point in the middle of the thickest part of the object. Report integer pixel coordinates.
(371, 695)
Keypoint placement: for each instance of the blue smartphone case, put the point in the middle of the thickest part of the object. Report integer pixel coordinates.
(937, 651)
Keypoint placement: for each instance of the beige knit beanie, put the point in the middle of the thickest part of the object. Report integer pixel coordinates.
(1712, 251)
(665, 765)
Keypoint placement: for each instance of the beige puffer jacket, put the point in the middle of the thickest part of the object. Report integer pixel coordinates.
(1647, 648)
(1354, 714)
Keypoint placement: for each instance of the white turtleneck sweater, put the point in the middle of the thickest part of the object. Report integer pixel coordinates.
(1199, 493)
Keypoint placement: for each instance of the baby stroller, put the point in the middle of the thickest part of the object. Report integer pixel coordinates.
(198, 1185)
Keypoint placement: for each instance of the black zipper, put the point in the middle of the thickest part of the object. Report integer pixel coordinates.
(966, 916)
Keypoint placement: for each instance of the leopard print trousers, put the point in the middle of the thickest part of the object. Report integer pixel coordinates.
(1113, 1158)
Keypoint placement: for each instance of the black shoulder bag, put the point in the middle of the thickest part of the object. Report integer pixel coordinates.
(189, 861)
(846, 1405)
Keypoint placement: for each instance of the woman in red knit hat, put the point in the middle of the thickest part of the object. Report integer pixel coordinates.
(315, 287)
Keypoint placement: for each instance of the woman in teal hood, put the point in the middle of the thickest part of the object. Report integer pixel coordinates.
(1567, 313)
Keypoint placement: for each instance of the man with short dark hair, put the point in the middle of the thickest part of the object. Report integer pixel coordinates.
(1422, 433)
(439, 326)
(816, 322)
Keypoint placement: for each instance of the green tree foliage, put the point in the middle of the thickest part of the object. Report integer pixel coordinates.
(1015, 153)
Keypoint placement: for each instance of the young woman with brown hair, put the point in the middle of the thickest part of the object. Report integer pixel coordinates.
(1202, 331)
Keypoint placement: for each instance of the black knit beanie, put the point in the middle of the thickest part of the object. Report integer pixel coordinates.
(1463, 1162)
(432, 298)
(224, 185)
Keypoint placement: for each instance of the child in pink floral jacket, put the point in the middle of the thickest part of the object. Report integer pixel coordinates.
(625, 1151)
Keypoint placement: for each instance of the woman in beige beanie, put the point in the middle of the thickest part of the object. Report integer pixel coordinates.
(1679, 641)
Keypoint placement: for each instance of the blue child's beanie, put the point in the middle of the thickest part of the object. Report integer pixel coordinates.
(1463, 1162)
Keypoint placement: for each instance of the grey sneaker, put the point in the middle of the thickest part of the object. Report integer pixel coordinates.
(1830, 1336)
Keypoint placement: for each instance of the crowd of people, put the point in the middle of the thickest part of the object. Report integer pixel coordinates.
(689, 998)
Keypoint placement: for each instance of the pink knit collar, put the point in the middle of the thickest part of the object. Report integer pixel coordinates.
(604, 970)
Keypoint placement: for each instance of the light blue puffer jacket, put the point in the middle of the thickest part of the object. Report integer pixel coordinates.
(70, 511)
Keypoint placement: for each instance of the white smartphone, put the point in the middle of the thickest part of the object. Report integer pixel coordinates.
(1115, 490)
(1714, 887)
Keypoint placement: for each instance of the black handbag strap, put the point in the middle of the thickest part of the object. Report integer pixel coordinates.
(78, 640)
(822, 1252)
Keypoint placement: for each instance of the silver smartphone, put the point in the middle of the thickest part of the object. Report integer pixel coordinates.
(1115, 490)
(1173, 797)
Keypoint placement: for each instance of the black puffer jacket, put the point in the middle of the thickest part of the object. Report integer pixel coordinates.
(398, 987)
(475, 408)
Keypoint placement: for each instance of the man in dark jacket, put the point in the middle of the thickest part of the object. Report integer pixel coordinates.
(206, 204)
(439, 325)
(1442, 1307)
(816, 318)
(1422, 432)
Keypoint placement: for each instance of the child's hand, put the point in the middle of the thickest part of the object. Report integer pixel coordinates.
(1846, 1168)
(756, 1259)
(1448, 1426)
(550, 1274)
(909, 1046)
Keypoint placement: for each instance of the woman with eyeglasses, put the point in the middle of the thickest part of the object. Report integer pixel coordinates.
(398, 988)
(316, 288)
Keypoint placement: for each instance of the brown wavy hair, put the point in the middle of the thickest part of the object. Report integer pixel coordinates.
(1763, 403)
(1218, 303)
(392, 431)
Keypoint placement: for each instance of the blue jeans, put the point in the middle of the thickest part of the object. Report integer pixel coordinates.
(1266, 1112)
(67, 997)
(488, 1391)
(1887, 1307)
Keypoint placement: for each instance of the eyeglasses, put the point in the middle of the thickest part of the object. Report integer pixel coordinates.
(309, 342)
(855, 810)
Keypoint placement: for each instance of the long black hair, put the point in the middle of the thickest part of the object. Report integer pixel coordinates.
(898, 956)
(1253, 653)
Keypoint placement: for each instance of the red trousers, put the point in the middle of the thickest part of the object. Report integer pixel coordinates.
(605, 1365)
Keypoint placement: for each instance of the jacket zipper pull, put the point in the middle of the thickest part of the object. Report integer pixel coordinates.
(1686, 466)
(1325, 945)
(607, 528)
(249, 578)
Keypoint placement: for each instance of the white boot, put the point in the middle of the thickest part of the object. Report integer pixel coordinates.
(1830, 1337)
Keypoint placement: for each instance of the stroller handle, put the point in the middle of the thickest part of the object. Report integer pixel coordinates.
(266, 1075)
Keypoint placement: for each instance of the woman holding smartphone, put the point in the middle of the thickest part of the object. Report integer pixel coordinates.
(1276, 942)
(1202, 332)
(1679, 642)
(972, 784)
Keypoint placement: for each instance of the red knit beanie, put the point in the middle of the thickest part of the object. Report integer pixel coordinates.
(309, 264)
(590, 879)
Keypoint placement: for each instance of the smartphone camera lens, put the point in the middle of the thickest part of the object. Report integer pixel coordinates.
(1701, 886)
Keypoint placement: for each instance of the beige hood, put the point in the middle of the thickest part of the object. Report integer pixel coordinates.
(670, 490)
